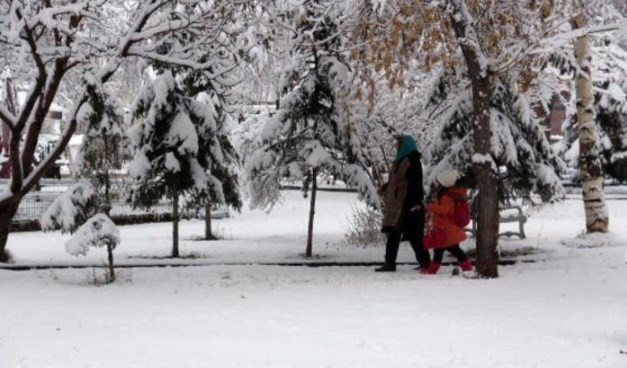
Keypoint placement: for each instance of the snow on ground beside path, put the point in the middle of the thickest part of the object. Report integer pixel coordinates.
(251, 236)
(567, 310)
(279, 236)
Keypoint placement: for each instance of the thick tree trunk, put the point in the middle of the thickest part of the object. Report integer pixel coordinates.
(208, 230)
(175, 224)
(488, 215)
(312, 212)
(590, 167)
(7, 211)
(480, 76)
(111, 270)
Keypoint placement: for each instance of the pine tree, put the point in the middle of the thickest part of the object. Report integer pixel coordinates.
(216, 152)
(206, 90)
(101, 151)
(520, 151)
(180, 149)
(77, 212)
(610, 99)
(311, 134)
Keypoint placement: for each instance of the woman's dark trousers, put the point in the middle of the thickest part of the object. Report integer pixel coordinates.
(413, 229)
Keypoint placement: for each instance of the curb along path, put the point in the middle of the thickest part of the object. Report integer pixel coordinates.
(29, 267)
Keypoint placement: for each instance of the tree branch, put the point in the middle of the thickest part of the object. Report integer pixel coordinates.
(7, 117)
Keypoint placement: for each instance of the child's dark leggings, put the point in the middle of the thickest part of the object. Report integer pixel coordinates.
(455, 250)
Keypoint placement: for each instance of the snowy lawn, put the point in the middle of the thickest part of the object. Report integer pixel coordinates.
(567, 310)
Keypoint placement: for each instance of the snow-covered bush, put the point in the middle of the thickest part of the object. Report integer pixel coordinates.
(70, 209)
(364, 228)
(99, 231)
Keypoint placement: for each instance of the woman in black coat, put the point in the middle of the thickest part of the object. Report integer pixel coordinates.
(403, 211)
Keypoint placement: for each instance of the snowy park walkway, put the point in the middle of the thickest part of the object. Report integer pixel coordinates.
(568, 311)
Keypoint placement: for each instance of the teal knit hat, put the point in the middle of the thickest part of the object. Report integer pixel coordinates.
(407, 146)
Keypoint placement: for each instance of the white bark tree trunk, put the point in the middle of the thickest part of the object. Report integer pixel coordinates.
(590, 167)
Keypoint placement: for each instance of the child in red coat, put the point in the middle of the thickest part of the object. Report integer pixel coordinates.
(442, 210)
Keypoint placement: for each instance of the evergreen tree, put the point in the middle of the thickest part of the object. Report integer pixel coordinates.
(180, 149)
(520, 151)
(216, 152)
(207, 89)
(311, 134)
(77, 212)
(101, 151)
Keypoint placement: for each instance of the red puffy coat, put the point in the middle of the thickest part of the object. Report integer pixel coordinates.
(442, 212)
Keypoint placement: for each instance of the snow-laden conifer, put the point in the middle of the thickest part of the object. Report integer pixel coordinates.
(180, 148)
(520, 150)
(311, 134)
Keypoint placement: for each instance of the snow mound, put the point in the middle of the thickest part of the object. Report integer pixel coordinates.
(98, 231)
(594, 240)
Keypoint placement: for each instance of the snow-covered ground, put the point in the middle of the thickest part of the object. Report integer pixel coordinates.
(569, 309)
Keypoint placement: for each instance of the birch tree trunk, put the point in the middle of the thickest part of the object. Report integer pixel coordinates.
(312, 212)
(590, 167)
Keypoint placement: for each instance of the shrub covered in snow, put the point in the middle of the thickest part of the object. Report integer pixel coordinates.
(70, 209)
(364, 228)
(98, 231)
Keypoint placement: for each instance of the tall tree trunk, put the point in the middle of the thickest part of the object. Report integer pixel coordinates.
(480, 76)
(111, 270)
(208, 230)
(175, 224)
(107, 178)
(590, 167)
(488, 215)
(7, 211)
(312, 211)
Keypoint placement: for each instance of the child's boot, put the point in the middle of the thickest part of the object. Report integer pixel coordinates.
(466, 265)
(432, 269)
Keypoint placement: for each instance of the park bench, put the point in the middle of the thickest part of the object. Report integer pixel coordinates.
(509, 214)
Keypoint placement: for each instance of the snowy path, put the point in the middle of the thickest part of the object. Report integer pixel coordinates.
(569, 311)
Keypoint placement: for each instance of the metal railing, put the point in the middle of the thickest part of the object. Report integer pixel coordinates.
(37, 201)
